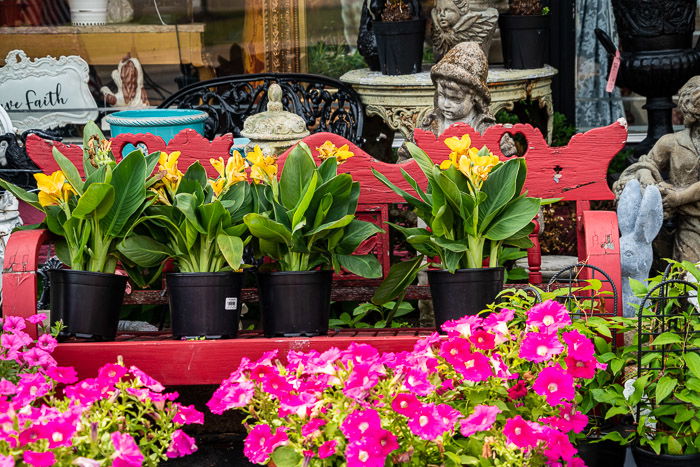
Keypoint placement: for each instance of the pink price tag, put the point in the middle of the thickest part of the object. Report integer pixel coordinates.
(612, 77)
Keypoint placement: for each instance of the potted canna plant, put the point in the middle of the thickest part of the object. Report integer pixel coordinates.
(473, 206)
(91, 217)
(524, 34)
(309, 231)
(198, 223)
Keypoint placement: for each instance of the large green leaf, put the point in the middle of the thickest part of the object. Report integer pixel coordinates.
(400, 276)
(362, 265)
(336, 224)
(296, 174)
(664, 387)
(152, 162)
(514, 217)
(267, 229)
(411, 181)
(304, 201)
(69, 170)
(449, 188)
(355, 233)
(424, 162)
(187, 204)
(232, 249)
(500, 189)
(96, 201)
(692, 359)
(22, 194)
(212, 215)
(410, 199)
(128, 180)
(196, 173)
(328, 169)
(143, 251)
(322, 210)
(55, 217)
(451, 245)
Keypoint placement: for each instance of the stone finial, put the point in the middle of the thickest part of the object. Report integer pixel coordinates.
(274, 96)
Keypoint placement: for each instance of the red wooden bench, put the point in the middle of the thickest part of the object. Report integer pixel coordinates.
(576, 172)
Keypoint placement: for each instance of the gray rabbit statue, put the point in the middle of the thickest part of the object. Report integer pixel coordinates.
(639, 215)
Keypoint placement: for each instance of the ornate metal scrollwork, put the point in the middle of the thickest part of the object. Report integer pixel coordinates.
(43, 272)
(324, 103)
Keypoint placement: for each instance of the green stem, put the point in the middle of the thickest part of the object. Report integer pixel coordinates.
(493, 254)
(399, 299)
(475, 254)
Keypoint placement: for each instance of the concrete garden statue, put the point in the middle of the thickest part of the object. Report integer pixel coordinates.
(455, 21)
(673, 165)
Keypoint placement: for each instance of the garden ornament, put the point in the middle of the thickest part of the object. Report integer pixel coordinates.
(639, 214)
(461, 93)
(673, 165)
(129, 80)
(456, 21)
(9, 219)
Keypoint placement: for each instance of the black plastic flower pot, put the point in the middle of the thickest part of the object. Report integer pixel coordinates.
(647, 458)
(602, 454)
(295, 303)
(205, 304)
(466, 292)
(88, 303)
(525, 40)
(400, 46)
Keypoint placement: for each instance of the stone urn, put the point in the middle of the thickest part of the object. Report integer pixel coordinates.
(656, 56)
(275, 130)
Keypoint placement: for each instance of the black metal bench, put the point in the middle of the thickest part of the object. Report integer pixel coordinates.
(324, 103)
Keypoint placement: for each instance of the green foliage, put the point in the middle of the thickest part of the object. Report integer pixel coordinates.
(333, 60)
(361, 314)
(94, 214)
(311, 221)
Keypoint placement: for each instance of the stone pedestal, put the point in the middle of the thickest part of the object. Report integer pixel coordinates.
(403, 101)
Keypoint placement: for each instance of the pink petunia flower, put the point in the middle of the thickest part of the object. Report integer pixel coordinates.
(581, 368)
(261, 442)
(7, 388)
(463, 327)
(14, 341)
(312, 426)
(228, 396)
(569, 419)
(39, 459)
(538, 347)
(187, 415)
(360, 422)
(500, 369)
(406, 404)
(558, 446)
(448, 416)
(110, 374)
(579, 346)
(364, 454)
(62, 374)
(126, 451)
(30, 387)
(497, 324)
(548, 317)
(60, 432)
(359, 353)
(13, 324)
(364, 376)
(522, 433)
(300, 404)
(37, 357)
(7, 461)
(518, 390)
(483, 418)
(555, 384)
(453, 350)
(327, 449)
(474, 367)
(47, 342)
(427, 423)
(387, 442)
(31, 434)
(417, 382)
(85, 462)
(181, 445)
(145, 379)
(483, 340)
(36, 319)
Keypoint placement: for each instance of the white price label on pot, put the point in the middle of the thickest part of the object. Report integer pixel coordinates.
(231, 303)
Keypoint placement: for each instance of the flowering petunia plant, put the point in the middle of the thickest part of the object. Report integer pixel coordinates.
(499, 389)
(122, 417)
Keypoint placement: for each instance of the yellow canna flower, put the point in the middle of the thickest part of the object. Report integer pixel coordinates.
(328, 149)
(53, 189)
(263, 168)
(217, 185)
(167, 165)
(218, 164)
(452, 160)
(159, 189)
(459, 145)
(235, 169)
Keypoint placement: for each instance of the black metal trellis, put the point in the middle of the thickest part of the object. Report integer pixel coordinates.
(592, 302)
(661, 311)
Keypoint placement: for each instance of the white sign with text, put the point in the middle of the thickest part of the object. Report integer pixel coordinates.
(46, 92)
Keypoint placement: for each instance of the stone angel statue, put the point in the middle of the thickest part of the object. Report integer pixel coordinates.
(454, 21)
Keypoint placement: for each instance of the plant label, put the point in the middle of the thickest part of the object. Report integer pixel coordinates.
(231, 303)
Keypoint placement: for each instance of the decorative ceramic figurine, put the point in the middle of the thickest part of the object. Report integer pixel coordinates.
(129, 80)
(461, 93)
(455, 21)
(673, 165)
(640, 215)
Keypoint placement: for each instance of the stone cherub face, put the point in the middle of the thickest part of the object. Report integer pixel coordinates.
(454, 100)
(447, 13)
